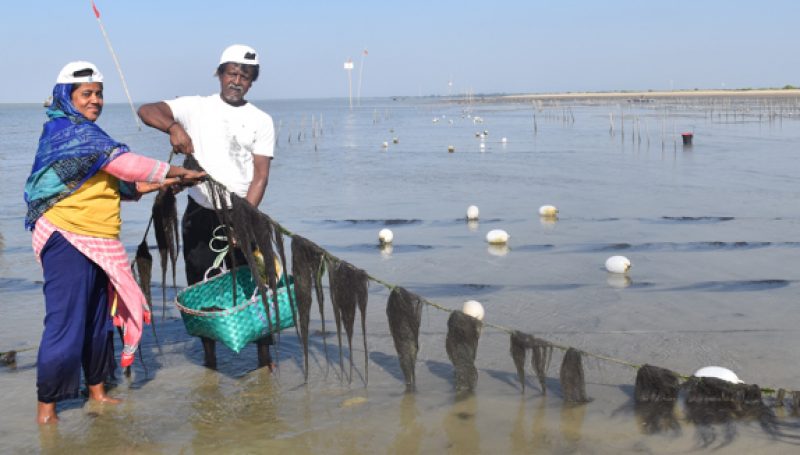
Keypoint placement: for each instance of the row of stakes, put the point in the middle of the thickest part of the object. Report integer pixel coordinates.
(614, 264)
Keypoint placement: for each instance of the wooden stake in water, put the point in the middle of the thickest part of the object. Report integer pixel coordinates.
(116, 62)
(360, 72)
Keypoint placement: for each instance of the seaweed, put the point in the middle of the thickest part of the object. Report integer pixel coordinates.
(541, 353)
(573, 384)
(463, 332)
(714, 402)
(8, 358)
(306, 261)
(404, 312)
(349, 286)
(518, 350)
(165, 223)
(656, 385)
(143, 268)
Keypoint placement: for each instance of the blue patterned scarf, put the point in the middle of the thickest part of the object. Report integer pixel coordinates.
(71, 150)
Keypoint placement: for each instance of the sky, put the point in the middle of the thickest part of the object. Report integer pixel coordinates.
(414, 47)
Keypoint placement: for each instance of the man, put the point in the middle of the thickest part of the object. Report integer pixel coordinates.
(233, 141)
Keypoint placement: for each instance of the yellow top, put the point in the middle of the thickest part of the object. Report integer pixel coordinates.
(93, 209)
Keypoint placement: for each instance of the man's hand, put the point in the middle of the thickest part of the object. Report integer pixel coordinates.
(180, 140)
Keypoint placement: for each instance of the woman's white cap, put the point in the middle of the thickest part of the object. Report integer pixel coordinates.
(79, 72)
(239, 53)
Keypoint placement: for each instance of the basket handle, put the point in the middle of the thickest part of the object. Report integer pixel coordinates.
(219, 261)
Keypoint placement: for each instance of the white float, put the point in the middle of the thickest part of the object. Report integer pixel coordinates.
(719, 373)
(472, 212)
(618, 264)
(473, 308)
(497, 237)
(385, 236)
(548, 211)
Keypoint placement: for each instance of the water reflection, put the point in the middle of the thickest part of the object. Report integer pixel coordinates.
(657, 417)
(408, 438)
(572, 416)
(548, 222)
(460, 426)
(472, 225)
(498, 250)
(245, 411)
(618, 280)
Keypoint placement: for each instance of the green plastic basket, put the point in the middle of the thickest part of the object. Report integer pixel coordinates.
(207, 309)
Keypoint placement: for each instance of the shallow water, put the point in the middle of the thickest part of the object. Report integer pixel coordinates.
(711, 230)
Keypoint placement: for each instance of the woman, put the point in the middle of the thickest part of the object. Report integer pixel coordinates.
(73, 194)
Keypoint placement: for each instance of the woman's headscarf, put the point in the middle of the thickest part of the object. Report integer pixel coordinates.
(71, 150)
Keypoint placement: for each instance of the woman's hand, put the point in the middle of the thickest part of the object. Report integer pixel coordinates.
(190, 178)
(184, 178)
(149, 187)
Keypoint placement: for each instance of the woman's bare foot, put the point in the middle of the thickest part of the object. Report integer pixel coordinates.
(97, 393)
(46, 413)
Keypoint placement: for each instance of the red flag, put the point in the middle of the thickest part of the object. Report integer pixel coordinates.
(96, 11)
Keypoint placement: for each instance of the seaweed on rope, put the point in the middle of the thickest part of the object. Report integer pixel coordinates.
(307, 268)
(655, 387)
(316, 261)
(348, 289)
(404, 312)
(165, 225)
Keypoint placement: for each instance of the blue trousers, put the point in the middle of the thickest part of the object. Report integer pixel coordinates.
(77, 327)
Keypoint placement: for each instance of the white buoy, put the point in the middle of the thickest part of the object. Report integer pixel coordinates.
(618, 264)
(548, 211)
(451, 148)
(385, 236)
(385, 144)
(719, 373)
(472, 212)
(483, 146)
(503, 140)
(497, 237)
(395, 140)
(473, 308)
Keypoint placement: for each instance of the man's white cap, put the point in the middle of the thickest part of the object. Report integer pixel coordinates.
(78, 72)
(239, 53)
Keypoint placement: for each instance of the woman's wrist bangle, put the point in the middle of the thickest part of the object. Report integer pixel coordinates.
(174, 122)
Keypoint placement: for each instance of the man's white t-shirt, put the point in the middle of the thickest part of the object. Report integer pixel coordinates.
(225, 138)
